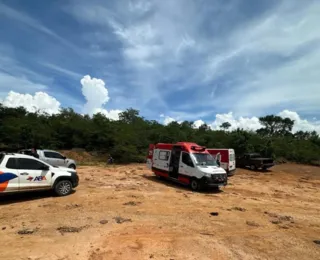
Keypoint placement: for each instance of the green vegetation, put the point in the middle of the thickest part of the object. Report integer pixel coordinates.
(127, 140)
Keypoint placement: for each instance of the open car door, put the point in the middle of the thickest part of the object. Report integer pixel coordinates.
(150, 155)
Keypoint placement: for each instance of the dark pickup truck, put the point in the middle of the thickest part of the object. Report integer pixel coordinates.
(254, 161)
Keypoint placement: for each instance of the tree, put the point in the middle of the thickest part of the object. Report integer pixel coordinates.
(225, 125)
(275, 125)
(301, 135)
(129, 116)
(204, 127)
(127, 139)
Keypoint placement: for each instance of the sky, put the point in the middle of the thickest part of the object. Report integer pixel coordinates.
(199, 60)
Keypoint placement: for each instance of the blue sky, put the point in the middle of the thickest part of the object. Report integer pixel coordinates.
(182, 59)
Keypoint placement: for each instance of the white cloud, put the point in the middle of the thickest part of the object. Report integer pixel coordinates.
(190, 115)
(252, 123)
(198, 123)
(300, 124)
(167, 120)
(111, 114)
(95, 93)
(247, 123)
(97, 96)
(41, 102)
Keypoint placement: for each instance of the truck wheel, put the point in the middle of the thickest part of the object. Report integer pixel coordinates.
(195, 185)
(72, 166)
(253, 167)
(63, 188)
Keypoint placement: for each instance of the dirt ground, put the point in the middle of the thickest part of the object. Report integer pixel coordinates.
(124, 212)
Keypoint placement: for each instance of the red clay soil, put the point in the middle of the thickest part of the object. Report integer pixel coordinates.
(124, 212)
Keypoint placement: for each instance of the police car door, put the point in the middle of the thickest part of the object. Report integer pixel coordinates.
(9, 176)
(59, 159)
(33, 174)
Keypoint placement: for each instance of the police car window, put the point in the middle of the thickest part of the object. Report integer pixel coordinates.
(48, 154)
(52, 155)
(57, 156)
(11, 164)
(186, 159)
(164, 155)
(29, 164)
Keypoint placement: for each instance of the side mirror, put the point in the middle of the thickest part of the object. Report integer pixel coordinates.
(64, 157)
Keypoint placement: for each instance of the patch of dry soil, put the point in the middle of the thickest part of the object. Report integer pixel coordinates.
(124, 212)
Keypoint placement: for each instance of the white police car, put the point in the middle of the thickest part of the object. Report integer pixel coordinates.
(19, 173)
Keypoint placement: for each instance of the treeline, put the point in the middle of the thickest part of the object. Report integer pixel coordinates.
(127, 139)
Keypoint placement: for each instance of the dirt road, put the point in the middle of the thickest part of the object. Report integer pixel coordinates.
(124, 212)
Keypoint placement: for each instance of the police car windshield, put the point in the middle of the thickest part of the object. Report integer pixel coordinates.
(204, 159)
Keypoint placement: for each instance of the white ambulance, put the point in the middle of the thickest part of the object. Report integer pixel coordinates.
(226, 157)
(186, 163)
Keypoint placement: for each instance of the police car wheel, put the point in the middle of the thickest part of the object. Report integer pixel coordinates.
(63, 188)
(195, 185)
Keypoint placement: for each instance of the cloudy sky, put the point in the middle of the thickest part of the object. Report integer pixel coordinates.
(198, 60)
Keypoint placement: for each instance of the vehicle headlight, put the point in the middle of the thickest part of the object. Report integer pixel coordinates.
(207, 174)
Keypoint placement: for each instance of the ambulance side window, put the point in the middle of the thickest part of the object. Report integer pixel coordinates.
(186, 159)
(164, 155)
(155, 153)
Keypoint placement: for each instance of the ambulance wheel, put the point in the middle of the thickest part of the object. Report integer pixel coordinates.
(195, 185)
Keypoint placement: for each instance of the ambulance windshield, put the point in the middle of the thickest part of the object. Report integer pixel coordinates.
(204, 159)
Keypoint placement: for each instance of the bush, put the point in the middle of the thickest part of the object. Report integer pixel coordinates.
(127, 139)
